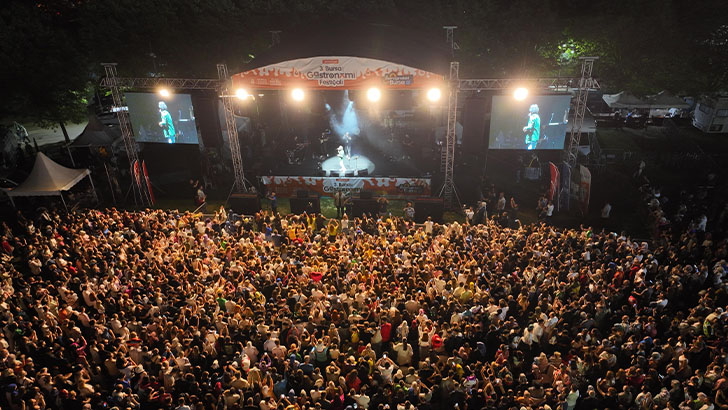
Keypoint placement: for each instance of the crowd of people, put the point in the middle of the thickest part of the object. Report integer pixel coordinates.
(144, 310)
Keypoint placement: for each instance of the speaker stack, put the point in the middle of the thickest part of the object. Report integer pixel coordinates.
(303, 202)
(244, 204)
(432, 207)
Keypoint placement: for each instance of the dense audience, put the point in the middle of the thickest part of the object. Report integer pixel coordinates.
(155, 309)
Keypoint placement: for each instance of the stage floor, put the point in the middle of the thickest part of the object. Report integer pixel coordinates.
(358, 164)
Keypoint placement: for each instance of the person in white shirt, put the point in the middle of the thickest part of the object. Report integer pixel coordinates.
(572, 398)
(429, 225)
(550, 210)
(362, 400)
(386, 368)
(404, 353)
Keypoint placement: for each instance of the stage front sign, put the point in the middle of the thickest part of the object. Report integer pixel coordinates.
(327, 186)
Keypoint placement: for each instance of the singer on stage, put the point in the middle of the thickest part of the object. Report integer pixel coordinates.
(347, 144)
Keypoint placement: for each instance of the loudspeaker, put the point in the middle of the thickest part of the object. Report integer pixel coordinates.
(365, 194)
(309, 205)
(244, 204)
(206, 116)
(301, 193)
(360, 207)
(432, 207)
(475, 109)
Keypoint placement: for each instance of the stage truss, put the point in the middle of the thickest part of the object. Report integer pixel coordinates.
(447, 159)
(221, 85)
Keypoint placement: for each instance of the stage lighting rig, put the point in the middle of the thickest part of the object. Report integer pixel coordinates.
(374, 94)
(297, 94)
(520, 94)
(242, 93)
(434, 94)
(164, 92)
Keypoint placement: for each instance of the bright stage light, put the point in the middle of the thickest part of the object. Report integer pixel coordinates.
(434, 94)
(164, 92)
(242, 93)
(373, 94)
(520, 94)
(297, 94)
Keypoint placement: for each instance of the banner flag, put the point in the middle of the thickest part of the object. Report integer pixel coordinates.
(554, 186)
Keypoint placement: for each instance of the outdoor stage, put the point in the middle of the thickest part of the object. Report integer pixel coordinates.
(356, 165)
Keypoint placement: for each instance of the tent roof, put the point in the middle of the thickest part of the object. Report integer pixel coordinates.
(95, 134)
(665, 100)
(351, 39)
(625, 99)
(48, 178)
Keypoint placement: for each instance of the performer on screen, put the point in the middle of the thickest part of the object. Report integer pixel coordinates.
(347, 144)
(533, 128)
(166, 123)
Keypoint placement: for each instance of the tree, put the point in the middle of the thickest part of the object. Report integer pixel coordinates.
(45, 76)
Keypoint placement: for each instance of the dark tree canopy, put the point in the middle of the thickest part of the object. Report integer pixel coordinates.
(50, 50)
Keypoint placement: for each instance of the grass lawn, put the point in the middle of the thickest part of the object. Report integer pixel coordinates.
(328, 209)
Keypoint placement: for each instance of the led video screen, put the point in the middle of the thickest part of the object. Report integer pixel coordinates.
(537, 122)
(169, 120)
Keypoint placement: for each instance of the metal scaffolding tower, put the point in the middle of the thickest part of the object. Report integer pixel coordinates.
(232, 129)
(139, 185)
(450, 39)
(586, 83)
(447, 155)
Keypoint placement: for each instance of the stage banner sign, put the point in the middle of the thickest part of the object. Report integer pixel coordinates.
(336, 73)
(584, 188)
(393, 187)
(554, 187)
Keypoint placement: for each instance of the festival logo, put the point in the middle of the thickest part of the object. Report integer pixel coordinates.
(410, 189)
(393, 78)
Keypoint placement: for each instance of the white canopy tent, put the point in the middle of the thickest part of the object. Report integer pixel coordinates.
(49, 178)
(624, 100)
(664, 100)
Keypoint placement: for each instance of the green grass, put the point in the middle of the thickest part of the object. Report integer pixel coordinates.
(396, 207)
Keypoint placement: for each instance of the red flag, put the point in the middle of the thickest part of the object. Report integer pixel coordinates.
(554, 187)
(149, 183)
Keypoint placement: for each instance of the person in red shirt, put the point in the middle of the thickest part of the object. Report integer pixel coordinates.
(386, 330)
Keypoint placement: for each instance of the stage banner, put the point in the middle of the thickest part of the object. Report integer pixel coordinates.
(584, 188)
(149, 183)
(554, 187)
(393, 187)
(336, 73)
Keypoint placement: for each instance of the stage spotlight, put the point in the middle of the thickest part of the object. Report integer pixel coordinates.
(373, 94)
(242, 93)
(164, 92)
(297, 94)
(434, 94)
(520, 94)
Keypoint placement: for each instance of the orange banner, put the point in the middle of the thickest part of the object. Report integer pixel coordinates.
(332, 73)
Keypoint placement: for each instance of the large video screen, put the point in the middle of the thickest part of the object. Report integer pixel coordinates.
(155, 118)
(537, 122)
